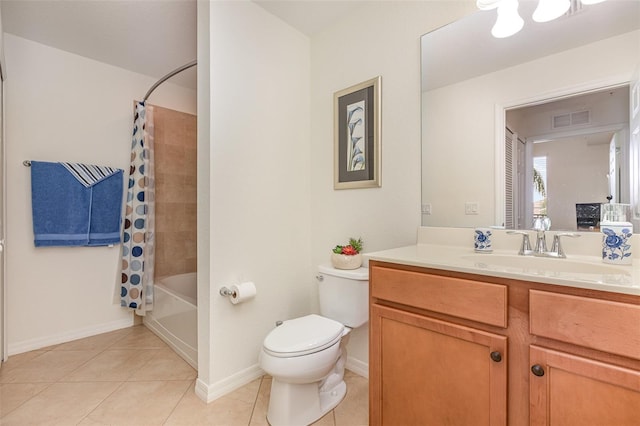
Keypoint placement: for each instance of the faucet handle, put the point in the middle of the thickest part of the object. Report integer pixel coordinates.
(557, 247)
(525, 248)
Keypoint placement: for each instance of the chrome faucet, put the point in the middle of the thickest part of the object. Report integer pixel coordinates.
(556, 248)
(540, 225)
(525, 247)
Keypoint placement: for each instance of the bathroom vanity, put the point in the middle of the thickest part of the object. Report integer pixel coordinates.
(457, 339)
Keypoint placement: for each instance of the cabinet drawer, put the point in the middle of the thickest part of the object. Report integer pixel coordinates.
(612, 327)
(473, 300)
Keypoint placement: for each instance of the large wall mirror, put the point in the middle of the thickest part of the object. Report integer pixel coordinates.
(543, 122)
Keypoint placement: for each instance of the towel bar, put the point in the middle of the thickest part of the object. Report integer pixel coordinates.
(26, 163)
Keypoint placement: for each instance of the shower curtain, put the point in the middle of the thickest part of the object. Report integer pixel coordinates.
(138, 240)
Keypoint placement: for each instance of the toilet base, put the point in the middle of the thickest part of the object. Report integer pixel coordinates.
(302, 404)
(331, 398)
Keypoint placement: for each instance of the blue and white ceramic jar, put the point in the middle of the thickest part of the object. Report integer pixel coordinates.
(482, 240)
(616, 242)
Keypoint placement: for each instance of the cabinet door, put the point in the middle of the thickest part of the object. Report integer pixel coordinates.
(569, 390)
(425, 371)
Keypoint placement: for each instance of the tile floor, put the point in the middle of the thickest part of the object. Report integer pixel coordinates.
(99, 380)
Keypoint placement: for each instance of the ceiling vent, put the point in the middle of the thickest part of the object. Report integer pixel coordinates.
(576, 118)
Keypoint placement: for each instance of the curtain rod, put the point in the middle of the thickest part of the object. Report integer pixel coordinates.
(168, 76)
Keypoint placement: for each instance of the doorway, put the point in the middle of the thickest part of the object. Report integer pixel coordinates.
(567, 146)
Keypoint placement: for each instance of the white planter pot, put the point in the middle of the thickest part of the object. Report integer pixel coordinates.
(344, 261)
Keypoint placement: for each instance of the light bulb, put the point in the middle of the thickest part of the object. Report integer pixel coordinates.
(549, 10)
(509, 21)
(487, 4)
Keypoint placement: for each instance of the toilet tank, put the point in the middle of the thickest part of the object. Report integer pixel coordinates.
(344, 295)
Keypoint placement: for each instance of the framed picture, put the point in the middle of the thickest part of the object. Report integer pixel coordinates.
(356, 149)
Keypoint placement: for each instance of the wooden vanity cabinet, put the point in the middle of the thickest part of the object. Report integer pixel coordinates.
(568, 389)
(429, 371)
(448, 348)
(572, 390)
(436, 372)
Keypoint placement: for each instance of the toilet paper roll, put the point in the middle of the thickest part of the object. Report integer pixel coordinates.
(242, 292)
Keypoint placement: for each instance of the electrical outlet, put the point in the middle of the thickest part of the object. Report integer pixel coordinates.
(426, 209)
(471, 207)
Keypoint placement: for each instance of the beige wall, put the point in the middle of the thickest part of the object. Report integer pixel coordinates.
(254, 191)
(63, 107)
(272, 93)
(175, 172)
(380, 39)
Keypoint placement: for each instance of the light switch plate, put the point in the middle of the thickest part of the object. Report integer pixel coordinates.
(471, 207)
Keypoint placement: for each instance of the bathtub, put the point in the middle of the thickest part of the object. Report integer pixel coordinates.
(174, 315)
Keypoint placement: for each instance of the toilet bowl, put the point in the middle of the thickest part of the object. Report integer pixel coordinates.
(306, 356)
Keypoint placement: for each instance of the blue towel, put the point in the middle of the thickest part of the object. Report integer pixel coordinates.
(75, 204)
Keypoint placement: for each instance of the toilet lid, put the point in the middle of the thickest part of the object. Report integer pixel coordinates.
(302, 336)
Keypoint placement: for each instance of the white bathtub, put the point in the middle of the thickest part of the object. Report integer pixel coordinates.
(174, 314)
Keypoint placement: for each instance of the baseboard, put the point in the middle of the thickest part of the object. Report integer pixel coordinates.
(359, 367)
(56, 339)
(209, 393)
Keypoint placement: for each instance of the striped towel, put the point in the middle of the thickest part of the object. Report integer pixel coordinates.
(75, 204)
(89, 174)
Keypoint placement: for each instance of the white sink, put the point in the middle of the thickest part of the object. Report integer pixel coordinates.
(544, 265)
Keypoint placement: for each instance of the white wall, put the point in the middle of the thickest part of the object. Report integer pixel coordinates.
(380, 39)
(259, 185)
(271, 208)
(459, 135)
(63, 107)
(205, 312)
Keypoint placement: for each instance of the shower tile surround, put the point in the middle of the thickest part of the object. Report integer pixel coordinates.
(92, 382)
(175, 172)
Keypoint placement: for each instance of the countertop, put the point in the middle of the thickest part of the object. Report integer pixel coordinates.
(579, 270)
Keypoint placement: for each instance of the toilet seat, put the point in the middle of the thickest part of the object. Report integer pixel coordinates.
(303, 336)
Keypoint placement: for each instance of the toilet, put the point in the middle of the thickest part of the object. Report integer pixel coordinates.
(306, 356)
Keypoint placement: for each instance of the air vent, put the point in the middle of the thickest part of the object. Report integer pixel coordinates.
(563, 120)
(581, 117)
(576, 118)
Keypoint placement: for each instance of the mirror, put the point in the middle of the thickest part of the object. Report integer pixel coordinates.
(474, 87)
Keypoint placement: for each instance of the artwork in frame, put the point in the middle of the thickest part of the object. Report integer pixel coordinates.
(357, 136)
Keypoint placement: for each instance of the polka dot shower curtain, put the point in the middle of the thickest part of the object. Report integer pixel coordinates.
(138, 239)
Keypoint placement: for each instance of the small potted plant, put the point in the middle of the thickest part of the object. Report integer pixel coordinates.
(347, 257)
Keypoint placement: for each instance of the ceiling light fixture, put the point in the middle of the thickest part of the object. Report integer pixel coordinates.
(548, 10)
(509, 21)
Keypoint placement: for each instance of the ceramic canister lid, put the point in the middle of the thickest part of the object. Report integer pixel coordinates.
(303, 335)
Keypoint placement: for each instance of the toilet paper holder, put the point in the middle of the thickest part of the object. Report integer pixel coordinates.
(224, 291)
(239, 293)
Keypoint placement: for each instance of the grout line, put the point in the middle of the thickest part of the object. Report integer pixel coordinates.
(255, 401)
(61, 379)
(48, 384)
(184, 395)
(101, 401)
